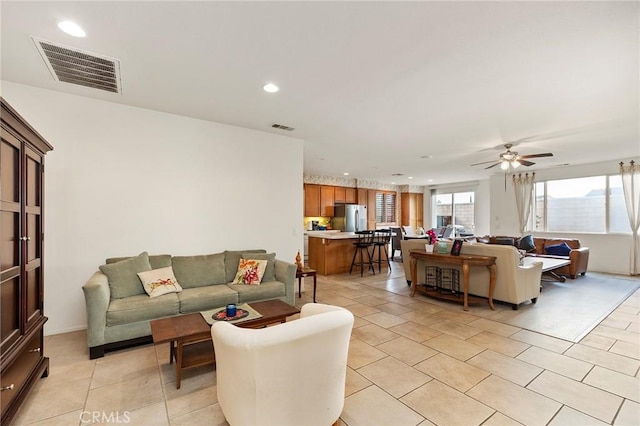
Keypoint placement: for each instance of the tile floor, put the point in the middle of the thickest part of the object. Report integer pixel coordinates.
(412, 361)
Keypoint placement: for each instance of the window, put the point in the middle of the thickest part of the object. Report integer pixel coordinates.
(590, 204)
(385, 207)
(457, 208)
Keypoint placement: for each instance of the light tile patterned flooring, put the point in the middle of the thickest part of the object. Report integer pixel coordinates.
(412, 361)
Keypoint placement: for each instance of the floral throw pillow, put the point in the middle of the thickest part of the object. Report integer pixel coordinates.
(159, 281)
(250, 271)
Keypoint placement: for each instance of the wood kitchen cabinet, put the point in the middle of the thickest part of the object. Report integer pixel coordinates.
(345, 195)
(327, 200)
(412, 209)
(420, 210)
(319, 200)
(22, 360)
(371, 209)
(350, 196)
(312, 200)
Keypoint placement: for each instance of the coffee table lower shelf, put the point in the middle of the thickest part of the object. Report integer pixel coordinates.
(194, 354)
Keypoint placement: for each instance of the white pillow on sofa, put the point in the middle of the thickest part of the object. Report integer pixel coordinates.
(159, 281)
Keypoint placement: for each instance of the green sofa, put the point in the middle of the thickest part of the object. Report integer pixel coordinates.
(119, 310)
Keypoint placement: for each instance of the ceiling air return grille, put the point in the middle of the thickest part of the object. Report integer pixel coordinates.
(75, 66)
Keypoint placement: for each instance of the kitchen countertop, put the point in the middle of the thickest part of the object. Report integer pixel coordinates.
(320, 233)
(331, 235)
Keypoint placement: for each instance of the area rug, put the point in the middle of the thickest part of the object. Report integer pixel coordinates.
(572, 309)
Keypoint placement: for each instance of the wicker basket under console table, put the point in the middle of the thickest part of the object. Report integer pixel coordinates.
(465, 261)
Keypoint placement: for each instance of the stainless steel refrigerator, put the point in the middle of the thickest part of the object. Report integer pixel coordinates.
(349, 217)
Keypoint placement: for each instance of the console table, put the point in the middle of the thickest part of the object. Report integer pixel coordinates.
(463, 260)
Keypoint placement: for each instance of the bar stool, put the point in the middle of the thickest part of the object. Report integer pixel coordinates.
(362, 246)
(380, 242)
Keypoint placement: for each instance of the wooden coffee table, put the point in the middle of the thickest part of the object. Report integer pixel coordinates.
(189, 336)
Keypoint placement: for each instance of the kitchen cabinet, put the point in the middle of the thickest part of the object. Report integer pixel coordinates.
(350, 196)
(22, 360)
(327, 196)
(420, 210)
(319, 200)
(371, 209)
(312, 200)
(412, 209)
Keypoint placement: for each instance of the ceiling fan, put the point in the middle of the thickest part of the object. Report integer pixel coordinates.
(511, 160)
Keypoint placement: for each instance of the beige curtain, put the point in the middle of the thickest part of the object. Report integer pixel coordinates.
(631, 187)
(523, 187)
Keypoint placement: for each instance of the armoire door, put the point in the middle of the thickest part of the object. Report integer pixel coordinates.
(32, 237)
(11, 242)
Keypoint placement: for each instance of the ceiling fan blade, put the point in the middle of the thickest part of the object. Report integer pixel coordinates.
(526, 163)
(493, 165)
(545, 154)
(484, 162)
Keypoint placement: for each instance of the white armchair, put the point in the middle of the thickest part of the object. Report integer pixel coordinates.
(289, 374)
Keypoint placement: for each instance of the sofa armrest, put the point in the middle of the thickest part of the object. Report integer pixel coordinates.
(97, 297)
(579, 261)
(286, 273)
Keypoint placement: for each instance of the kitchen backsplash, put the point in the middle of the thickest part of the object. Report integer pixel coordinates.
(322, 221)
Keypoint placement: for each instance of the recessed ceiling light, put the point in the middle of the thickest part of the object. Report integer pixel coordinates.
(71, 28)
(270, 87)
(393, 183)
(409, 177)
(430, 180)
(346, 173)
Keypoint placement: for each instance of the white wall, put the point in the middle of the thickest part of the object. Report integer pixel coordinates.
(607, 252)
(122, 180)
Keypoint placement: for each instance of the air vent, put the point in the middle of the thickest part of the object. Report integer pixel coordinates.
(282, 127)
(398, 174)
(75, 66)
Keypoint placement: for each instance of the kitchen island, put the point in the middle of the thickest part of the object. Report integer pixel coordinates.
(331, 253)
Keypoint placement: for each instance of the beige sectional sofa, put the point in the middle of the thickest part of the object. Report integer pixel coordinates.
(515, 284)
(119, 310)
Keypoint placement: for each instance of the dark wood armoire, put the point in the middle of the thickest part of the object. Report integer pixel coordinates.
(22, 360)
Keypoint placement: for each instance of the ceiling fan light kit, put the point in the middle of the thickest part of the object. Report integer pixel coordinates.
(511, 160)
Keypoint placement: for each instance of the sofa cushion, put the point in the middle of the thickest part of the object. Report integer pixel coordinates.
(198, 271)
(250, 271)
(231, 260)
(526, 243)
(574, 244)
(123, 276)
(204, 298)
(270, 271)
(561, 249)
(156, 260)
(159, 281)
(141, 308)
(254, 293)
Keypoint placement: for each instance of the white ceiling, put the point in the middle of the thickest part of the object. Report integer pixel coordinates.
(371, 87)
